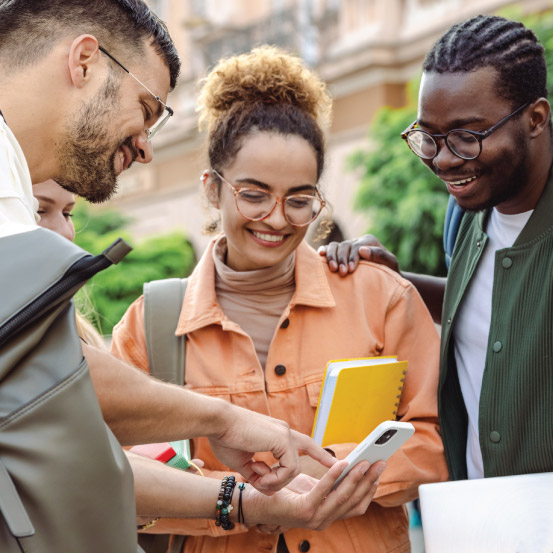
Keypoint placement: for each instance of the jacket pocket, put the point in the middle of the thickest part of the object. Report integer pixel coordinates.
(313, 392)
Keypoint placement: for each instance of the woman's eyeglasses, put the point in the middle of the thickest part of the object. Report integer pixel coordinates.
(256, 204)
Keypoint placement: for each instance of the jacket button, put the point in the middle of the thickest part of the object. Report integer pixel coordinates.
(497, 347)
(285, 323)
(507, 262)
(280, 370)
(495, 436)
(304, 546)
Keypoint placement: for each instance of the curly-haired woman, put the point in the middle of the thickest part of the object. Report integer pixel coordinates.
(263, 314)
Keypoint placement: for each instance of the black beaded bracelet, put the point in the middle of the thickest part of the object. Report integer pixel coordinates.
(224, 507)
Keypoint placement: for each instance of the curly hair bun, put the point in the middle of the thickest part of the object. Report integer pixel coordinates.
(268, 75)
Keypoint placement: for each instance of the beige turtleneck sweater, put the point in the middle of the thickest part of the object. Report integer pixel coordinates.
(256, 299)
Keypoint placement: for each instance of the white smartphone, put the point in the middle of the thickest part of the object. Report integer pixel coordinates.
(379, 445)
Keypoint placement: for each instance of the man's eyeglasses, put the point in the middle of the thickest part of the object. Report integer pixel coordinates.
(461, 142)
(256, 204)
(167, 111)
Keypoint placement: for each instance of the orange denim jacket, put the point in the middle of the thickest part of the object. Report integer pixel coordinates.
(372, 312)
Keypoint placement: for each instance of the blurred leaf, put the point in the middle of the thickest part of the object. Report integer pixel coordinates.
(404, 202)
(106, 297)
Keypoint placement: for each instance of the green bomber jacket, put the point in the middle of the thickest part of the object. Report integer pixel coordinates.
(516, 402)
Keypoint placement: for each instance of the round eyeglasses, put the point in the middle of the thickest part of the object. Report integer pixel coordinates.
(256, 204)
(463, 143)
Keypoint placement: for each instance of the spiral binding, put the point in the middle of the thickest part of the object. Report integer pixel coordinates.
(400, 389)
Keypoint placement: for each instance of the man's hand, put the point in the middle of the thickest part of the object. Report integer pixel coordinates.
(140, 410)
(310, 503)
(343, 257)
(162, 491)
(303, 483)
(246, 432)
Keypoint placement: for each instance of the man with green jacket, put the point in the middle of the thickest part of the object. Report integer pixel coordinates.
(484, 128)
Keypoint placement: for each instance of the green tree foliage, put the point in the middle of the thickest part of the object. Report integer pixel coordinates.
(106, 297)
(404, 202)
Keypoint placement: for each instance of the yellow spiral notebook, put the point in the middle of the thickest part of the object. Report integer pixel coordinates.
(356, 396)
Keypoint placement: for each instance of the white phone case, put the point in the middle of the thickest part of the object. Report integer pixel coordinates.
(379, 445)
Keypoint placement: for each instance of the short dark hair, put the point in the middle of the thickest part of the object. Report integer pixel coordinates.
(30, 28)
(490, 41)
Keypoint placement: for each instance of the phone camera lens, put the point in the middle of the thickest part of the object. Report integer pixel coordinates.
(385, 437)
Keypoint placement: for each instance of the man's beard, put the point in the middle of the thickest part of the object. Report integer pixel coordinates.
(86, 164)
(515, 179)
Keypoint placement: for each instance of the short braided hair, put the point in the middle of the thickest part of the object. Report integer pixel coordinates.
(490, 41)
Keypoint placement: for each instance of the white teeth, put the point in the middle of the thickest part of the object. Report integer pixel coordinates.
(463, 181)
(268, 237)
(122, 158)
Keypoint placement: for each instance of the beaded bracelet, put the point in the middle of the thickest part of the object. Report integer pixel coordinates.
(224, 507)
(241, 518)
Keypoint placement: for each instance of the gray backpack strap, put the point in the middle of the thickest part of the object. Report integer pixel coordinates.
(162, 306)
(166, 359)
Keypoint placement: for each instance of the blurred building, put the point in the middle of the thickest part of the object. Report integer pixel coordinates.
(366, 50)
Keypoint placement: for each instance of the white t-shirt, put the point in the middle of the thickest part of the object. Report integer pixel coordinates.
(18, 207)
(472, 328)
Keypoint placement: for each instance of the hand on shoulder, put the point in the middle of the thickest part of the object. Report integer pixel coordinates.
(343, 257)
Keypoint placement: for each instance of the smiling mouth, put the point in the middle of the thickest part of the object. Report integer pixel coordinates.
(128, 158)
(268, 237)
(121, 155)
(127, 154)
(461, 182)
(121, 161)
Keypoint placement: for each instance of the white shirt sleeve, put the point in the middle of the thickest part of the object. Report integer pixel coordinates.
(17, 205)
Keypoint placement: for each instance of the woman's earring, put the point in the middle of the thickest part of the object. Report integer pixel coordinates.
(210, 188)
